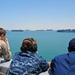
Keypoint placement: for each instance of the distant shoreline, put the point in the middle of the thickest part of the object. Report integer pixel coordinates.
(60, 30)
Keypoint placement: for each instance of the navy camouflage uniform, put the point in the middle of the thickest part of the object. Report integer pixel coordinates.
(27, 64)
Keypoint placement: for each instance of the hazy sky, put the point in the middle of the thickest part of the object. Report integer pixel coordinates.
(37, 14)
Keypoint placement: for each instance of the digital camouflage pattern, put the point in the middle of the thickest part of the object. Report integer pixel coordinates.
(27, 64)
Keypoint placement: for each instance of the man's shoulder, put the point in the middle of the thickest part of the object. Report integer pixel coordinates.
(61, 57)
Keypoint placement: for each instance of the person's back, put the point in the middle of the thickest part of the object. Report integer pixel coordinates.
(65, 64)
(27, 62)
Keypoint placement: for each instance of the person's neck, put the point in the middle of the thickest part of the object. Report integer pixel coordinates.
(34, 52)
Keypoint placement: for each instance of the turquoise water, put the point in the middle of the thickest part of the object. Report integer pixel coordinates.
(50, 43)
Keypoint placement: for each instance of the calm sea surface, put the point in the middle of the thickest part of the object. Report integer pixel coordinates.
(50, 43)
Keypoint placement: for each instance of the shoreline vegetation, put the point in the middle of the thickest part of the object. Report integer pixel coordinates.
(60, 30)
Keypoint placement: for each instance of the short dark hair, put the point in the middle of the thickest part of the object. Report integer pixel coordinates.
(2, 31)
(29, 44)
(72, 45)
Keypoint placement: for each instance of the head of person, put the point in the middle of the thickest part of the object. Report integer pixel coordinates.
(2, 33)
(71, 46)
(29, 44)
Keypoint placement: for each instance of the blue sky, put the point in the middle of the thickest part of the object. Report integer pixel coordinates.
(37, 14)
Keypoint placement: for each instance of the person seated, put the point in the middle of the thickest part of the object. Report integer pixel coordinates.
(65, 64)
(27, 62)
(4, 46)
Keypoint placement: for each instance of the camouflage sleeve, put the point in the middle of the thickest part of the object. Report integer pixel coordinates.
(44, 65)
(5, 50)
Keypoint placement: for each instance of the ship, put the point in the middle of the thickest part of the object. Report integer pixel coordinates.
(67, 30)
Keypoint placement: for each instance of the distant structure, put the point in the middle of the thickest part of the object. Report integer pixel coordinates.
(66, 30)
(40, 30)
(17, 30)
(45, 30)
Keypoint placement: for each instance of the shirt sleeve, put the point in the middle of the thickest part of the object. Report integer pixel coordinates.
(44, 65)
(54, 64)
(5, 50)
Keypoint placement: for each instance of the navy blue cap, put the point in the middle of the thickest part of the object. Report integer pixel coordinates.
(72, 43)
